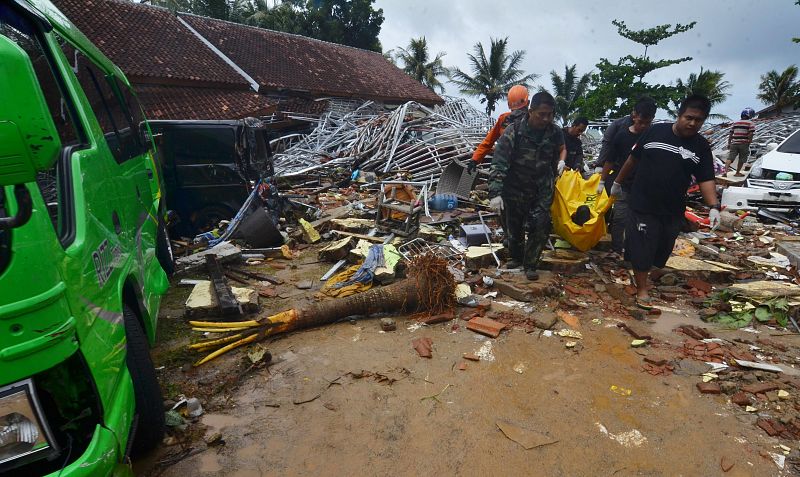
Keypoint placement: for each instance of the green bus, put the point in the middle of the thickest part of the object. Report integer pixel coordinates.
(83, 254)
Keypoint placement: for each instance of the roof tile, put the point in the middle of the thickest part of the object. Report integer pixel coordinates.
(181, 102)
(148, 42)
(284, 61)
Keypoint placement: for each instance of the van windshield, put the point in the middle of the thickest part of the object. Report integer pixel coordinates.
(791, 145)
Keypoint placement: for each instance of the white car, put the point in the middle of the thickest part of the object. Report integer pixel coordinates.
(773, 181)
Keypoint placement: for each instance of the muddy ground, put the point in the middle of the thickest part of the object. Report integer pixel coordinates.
(350, 399)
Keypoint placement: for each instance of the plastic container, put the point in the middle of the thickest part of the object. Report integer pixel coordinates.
(443, 202)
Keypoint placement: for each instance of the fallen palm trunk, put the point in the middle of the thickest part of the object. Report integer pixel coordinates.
(430, 287)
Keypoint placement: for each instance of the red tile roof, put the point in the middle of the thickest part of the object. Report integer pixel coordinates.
(282, 61)
(149, 43)
(181, 102)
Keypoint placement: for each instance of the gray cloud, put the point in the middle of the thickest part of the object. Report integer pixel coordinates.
(743, 39)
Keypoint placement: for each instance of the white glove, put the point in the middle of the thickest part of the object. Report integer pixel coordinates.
(560, 167)
(496, 204)
(713, 219)
(601, 186)
(616, 190)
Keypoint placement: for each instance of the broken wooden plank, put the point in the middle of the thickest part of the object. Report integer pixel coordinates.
(368, 238)
(257, 276)
(337, 250)
(226, 301)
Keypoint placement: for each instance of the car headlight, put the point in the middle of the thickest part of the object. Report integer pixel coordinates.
(756, 172)
(23, 432)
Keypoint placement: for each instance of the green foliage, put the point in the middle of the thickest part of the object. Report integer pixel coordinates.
(492, 76)
(650, 36)
(707, 83)
(616, 86)
(348, 22)
(213, 8)
(566, 90)
(745, 312)
(780, 89)
(417, 64)
(796, 40)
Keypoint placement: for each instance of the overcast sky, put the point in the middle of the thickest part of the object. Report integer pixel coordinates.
(742, 38)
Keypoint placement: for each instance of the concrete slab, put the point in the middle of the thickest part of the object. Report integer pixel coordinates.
(791, 249)
(225, 252)
(203, 302)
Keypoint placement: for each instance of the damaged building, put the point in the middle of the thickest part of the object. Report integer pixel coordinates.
(189, 67)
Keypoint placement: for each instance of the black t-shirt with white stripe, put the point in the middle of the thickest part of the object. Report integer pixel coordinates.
(666, 164)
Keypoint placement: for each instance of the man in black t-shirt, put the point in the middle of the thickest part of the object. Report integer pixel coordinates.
(620, 148)
(574, 145)
(643, 104)
(665, 158)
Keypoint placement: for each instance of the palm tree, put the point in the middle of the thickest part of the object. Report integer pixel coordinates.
(780, 89)
(250, 12)
(492, 77)
(707, 83)
(566, 90)
(417, 63)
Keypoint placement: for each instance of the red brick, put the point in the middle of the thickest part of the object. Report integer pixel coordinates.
(767, 426)
(424, 347)
(726, 464)
(655, 361)
(462, 366)
(472, 357)
(760, 388)
(741, 399)
(701, 285)
(708, 388)
(635, 331)
(432, 320)
(486, 326)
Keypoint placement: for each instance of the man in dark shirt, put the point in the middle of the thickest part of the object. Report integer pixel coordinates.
(573, 143)
(645, 103)
(619, 149)
(665, 158)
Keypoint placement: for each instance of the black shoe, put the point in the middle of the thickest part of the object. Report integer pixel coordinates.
(531, 275)
(513, 264)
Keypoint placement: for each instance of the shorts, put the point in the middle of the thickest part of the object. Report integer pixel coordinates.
(741, 150)
(649, 239)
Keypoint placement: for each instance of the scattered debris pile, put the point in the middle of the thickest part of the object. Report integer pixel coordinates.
(413, 138)
(373, 217)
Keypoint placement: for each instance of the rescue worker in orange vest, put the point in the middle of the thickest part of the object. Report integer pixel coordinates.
(518, 104)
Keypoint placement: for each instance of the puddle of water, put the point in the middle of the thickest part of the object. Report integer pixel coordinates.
(221, 421)
(668, 321)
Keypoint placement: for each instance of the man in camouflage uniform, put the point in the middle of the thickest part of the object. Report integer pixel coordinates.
(527, 159)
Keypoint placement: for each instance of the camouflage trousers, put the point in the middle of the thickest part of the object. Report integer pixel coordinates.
(528, 213)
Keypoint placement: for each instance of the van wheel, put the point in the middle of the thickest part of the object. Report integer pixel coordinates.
(164, 252)
(149, 403)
